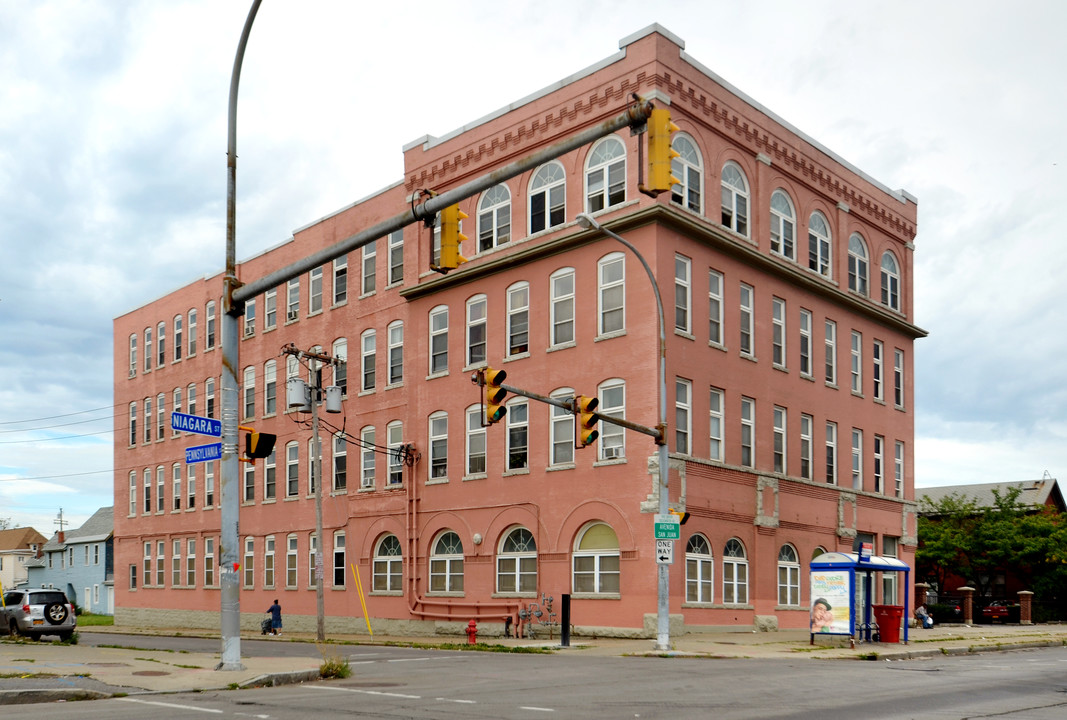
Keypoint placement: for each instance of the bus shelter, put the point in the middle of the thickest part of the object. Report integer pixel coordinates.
(833, 593)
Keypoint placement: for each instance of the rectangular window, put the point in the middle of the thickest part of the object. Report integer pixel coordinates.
(133, 577)
(161, 414)
(147, 563)
(250, 318)
(368, 356)
(133, 355)
(191, 332)
(209, 562)
(209, 397)
(805, 343)
(176, 486)
(898, 378)
(160, 491)
(209, 336)
(209, 484)
(857, 362)
(807, 425)
(476, 330)
(715, 336)
(147, 350)
(879, 460)
(340, 567)
(270, 309)
(682, 293)
(438, 446)
(396, 353)
(340, 280)
(876, 370)
(439, 340)
(249, 565)
(561, 434)
(161, 564)
(367, 458)
(178, 342)
(369, 274)
(292, 300)
(518, 436)
(748, 432)
(612, 404)
(315, 290)
(778, 332)
(395, 438)
(518, 319)
(396, 257)
(857, 459)
(133, 423)
(290, 561)
(248, 389)
(248, 493)
(831, 453)
(292, 469)
(133, 492)
(190, 563)
(831, 352)
(191, 394)
(315, 561)
(176, 407)
(715, 424)
(683, 402)
(780, 464)
(161, 344)
(562, 307)
(340, 462)
(747, 295)
(611, 294)
(475, 442)
(190, 487)
(270, 476)
(270, 388)
(898, 469)
(148, 420)
(147, 491)
(268, 562)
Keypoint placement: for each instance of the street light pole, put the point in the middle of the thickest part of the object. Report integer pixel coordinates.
(663, 632)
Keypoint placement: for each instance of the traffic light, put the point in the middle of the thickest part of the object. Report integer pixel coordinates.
(494, 395)
(682, 516)
(585, 408)
(451, 238)
(259, 445)
(660, 152)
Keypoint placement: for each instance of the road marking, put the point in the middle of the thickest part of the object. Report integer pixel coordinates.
(418, 659)
(536, 709)
(171, 705)
(454, 700)
(366, 692)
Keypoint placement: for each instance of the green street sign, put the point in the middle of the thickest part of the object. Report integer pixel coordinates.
(667, 527)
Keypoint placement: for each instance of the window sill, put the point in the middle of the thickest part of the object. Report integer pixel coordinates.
(445, 593)
(387, 593)
(518, 471)
(517, 356)
(394, 386)
(480, 365)
(339, 304)
(684, 334)
(610, 335)
(808, 377)
(437, 481)
(364, 393)
(610, 461)
(596, 596)
(561, 466)
(314, 313)
(561, 346)
(438, 374)
(781, 368)
(366, 295)
(474, 476)
(856, 393)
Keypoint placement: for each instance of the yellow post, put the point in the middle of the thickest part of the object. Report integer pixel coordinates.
(362, 601)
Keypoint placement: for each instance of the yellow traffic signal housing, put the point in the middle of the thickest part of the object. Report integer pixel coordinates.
(660, 152)
(585, 408)
(683, 517)
(451, 238)
(259, 445)
(494, 395)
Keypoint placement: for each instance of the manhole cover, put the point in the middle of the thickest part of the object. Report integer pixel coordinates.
(150, 673)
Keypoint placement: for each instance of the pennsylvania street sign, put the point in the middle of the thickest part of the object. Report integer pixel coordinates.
(667, 527)
(203, 453)
(195, 424)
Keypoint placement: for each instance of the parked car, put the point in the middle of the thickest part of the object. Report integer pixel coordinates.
(997, 610)
(37, 611)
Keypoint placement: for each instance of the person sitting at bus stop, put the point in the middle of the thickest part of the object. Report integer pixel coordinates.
(926, 620)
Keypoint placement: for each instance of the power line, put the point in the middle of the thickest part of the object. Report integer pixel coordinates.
(56, 417)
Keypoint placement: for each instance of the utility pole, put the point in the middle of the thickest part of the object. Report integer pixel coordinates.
(317, 361)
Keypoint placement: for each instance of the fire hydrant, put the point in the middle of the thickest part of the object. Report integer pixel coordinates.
(472, 633)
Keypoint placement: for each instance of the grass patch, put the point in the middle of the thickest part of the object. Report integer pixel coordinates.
(89, 619)
(5, 676)
(333, 665)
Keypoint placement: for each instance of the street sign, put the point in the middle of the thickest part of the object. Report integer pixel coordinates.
(203, 453)
(664, 552)
(667, 527)
(180, 422)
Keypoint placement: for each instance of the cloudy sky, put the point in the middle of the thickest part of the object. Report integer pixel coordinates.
(113, 177)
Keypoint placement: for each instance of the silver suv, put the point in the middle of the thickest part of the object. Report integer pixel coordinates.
(37, 612)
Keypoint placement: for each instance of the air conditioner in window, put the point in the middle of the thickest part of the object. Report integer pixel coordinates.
(612, 452)
(249, 330)
(291, 315)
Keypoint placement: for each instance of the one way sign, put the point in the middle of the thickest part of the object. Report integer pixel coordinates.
(664, 552)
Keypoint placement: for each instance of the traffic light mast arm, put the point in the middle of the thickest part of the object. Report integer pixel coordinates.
(568, 405)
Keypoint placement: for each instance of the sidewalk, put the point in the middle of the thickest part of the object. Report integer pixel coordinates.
(43, 672)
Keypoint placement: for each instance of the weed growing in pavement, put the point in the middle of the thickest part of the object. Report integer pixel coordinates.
(333, 665)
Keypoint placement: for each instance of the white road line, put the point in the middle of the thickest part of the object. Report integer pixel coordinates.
(454, 700)
(171, 705)
(418, 659)
(536, 709)
(365, 692)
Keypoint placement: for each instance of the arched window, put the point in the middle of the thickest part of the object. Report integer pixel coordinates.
(699, 570)
(734, 199)
(387, 572)
(819, 244)
(734, 573)
(596, 561)
(890, 281)
(788, 576)
(494, 218)
(548, 197)
(446, 563)
(516, 563)
(687, 167)
(605, 175)
(857, 264)
(783, 226)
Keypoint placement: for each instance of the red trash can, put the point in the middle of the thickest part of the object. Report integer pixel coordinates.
(888, 618)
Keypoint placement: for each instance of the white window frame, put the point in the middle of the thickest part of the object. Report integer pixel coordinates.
(394, 436)
(518, 320)
(611, 394)
(368, 343)
(315, 290)
(683, 415)
(270, 309)
(778, 333)
(830, 347)
(190, 331)
(561, 432)
(857, 459)
(605, 175)
(518, 436)
(898, 378)
(858, 274)
(879, 464)
(890, 274)
(446, 564)
(292, 469)
(746, 318)
(735, 198)
(596, 570)
(395, 369)
(898, 468)
(475, 458)
(248, 390)
(715, 290)
(611, 294)
(437, 467)
(683, 294)
(368, 273)
(494, 218)
(820, 247)
(806, 364)
(807, 444)
(178, 341)
(748, 432)
(788, 576)
(699, 570)
(831, 453)
(562, 307)
(477, 336)
(878, 370)
(856, 367)
(688, 169)
(549, 183)
(716, 424)
(734, 573)
(396, 257)
(367, 464)
(339, 461)
(438, 324)
(516, 563)
(340, 280)
(292, 300)
(781, 446)
(783, 225)
(388, 566)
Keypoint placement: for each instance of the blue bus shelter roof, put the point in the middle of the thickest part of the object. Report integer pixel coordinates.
(840, 560)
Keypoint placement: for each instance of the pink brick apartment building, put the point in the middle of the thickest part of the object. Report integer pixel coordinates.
(787, 278)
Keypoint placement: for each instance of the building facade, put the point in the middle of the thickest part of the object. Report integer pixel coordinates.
(786, 275)
(80, 562)
(18, 546)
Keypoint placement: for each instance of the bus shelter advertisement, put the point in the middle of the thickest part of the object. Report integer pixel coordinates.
(830, 606)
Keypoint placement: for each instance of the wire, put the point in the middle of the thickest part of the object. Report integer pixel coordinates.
(54, 417)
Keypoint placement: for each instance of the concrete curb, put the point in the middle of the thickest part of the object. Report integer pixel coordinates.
(286, 678)
(30, 697)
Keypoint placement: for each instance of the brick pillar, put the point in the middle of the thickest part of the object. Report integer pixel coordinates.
(920, 594)
(1026, 601)
(968, 604)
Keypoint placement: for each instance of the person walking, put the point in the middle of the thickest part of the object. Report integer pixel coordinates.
(275, 611)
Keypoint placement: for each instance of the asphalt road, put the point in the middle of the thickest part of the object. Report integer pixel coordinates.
(394, 682)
